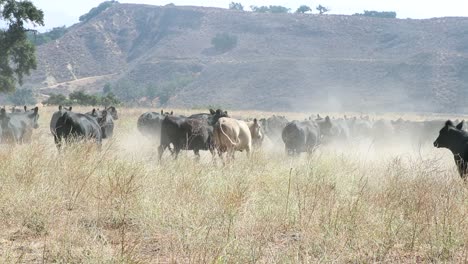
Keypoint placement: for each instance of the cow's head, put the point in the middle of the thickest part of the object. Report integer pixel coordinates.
(104, 120)
(34, 116)
(449, 135)
(325, 126)
(255, 129)
(4, 118)
(217, 115)
(113, 112)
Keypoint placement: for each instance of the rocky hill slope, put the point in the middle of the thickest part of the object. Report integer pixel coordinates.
(281, 61)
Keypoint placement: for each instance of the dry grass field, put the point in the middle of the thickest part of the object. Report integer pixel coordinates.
(356, 203)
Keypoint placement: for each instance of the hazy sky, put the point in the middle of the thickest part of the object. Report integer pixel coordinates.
(66, 12)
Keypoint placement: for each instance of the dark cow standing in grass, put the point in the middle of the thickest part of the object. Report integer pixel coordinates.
(105, 121)
(149, 124)
(76, 126)
(55, 117)
(301, 136)
(18, 127)
(189, 133)
(455, 139)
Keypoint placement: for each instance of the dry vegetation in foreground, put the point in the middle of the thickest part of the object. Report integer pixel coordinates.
(121, 206)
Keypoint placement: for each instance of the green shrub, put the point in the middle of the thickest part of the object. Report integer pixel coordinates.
(303, 9)
(22, 97)
(379, 14)
(57, 99)
(51, 35)
(224, 41)
(236, 6)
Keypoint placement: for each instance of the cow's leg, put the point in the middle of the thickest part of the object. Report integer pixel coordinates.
(176, 152)
(197, 154)
(58, 142)
(161, 151)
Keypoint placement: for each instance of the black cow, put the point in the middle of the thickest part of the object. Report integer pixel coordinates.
(56, 116)
(189, 133)
(105, 121)
(455, 139)
(18, 127)
(301, 136)
(149, 124)
(76, 126)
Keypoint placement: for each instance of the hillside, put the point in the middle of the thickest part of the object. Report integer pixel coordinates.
(281, 61)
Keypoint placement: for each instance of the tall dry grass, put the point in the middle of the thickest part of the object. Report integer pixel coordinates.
(355, 203)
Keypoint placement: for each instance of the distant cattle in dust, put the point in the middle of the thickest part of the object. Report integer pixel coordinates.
(301, 136)
(149, 124)
(273, 127)
(18, 127)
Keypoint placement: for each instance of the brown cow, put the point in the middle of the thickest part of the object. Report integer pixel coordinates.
(256, 133)
(232, 135)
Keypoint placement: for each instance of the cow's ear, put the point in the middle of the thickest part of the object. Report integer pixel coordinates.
(60, 107)
(36, 110)
(212, 111)
(460, 126)
(449, 123)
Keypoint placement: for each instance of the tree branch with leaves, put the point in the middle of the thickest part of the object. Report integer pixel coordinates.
(17, 53)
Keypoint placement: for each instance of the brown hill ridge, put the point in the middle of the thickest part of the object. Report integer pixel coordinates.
(281, 61)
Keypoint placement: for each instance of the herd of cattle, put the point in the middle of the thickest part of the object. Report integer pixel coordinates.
(217, 132)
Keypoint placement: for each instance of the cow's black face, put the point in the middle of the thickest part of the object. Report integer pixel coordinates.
(217, 115)
(34, 116)
(448, 135)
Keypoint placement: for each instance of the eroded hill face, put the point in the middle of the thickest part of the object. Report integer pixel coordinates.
(281, 61)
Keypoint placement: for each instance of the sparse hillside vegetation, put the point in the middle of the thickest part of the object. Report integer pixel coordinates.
(270, 9)
(42, 38)
(303, 9)
(97, 10)
(224, 41)
(82, 98)
(381, 14)
(236, 6)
